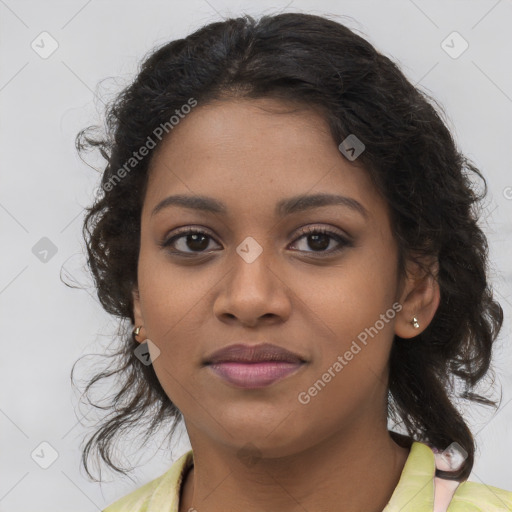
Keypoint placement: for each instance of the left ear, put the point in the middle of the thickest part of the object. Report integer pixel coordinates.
(420, 297)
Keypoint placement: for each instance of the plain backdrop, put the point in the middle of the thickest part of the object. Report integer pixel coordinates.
(45, 100)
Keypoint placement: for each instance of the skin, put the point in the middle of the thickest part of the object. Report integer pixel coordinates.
(250, 154)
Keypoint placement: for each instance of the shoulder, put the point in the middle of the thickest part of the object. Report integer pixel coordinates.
(159, 492)
(478, 497)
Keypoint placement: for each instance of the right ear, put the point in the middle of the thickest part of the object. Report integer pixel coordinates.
(137, 314)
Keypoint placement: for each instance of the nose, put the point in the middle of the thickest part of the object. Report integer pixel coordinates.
(253, 292)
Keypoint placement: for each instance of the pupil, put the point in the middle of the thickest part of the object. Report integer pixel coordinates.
(195, 237)
(316, 244)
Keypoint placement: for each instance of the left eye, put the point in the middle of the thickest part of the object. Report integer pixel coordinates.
(319, 239)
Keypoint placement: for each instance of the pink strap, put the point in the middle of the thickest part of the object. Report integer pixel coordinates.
(443, 489)
(443, 493)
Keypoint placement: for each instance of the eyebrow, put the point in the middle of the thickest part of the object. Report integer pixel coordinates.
(283, 208)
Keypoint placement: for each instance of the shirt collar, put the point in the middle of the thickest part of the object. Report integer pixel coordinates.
(166, 496)
(415, 489)
(414, 492)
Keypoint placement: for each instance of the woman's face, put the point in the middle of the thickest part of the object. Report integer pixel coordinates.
(255, 275)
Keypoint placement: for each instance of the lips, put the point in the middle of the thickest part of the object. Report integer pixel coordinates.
(257, 366)
(253, 354)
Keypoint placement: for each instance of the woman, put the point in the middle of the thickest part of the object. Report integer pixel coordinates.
(292, 234)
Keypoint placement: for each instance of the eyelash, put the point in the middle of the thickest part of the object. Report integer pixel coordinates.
(344, 242)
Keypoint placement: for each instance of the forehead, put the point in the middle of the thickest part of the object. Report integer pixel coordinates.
(252, 153)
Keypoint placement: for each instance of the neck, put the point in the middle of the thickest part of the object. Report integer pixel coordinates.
(359, 471)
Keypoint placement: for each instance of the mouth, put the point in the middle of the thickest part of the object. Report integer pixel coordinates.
(255, 366)
(254, 375)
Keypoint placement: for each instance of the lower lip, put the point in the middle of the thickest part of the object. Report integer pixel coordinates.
(254, 375)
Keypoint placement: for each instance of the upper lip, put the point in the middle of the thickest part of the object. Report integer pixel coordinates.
(253, 353)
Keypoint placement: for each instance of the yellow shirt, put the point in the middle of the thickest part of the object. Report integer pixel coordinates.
(414, 492)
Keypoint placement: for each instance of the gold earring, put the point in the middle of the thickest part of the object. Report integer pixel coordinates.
(415, 323)
(136, 331)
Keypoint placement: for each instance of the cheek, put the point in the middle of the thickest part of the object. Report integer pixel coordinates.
(352, 308)
(348, 374)
(344, 300)
(172, 294)
(168, 301)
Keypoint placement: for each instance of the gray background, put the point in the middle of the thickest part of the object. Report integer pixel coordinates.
(44, 102)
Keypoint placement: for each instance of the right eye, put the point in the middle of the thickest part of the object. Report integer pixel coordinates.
(188, 241)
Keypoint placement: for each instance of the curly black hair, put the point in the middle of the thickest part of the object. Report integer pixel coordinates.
(409, 154)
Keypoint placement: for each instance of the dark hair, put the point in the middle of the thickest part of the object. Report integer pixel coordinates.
(409, 154)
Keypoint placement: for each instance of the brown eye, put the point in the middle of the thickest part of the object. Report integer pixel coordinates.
(189, 241)
(319, 239)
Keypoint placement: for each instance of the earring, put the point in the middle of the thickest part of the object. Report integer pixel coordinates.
(136, 331)
(415, 323)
